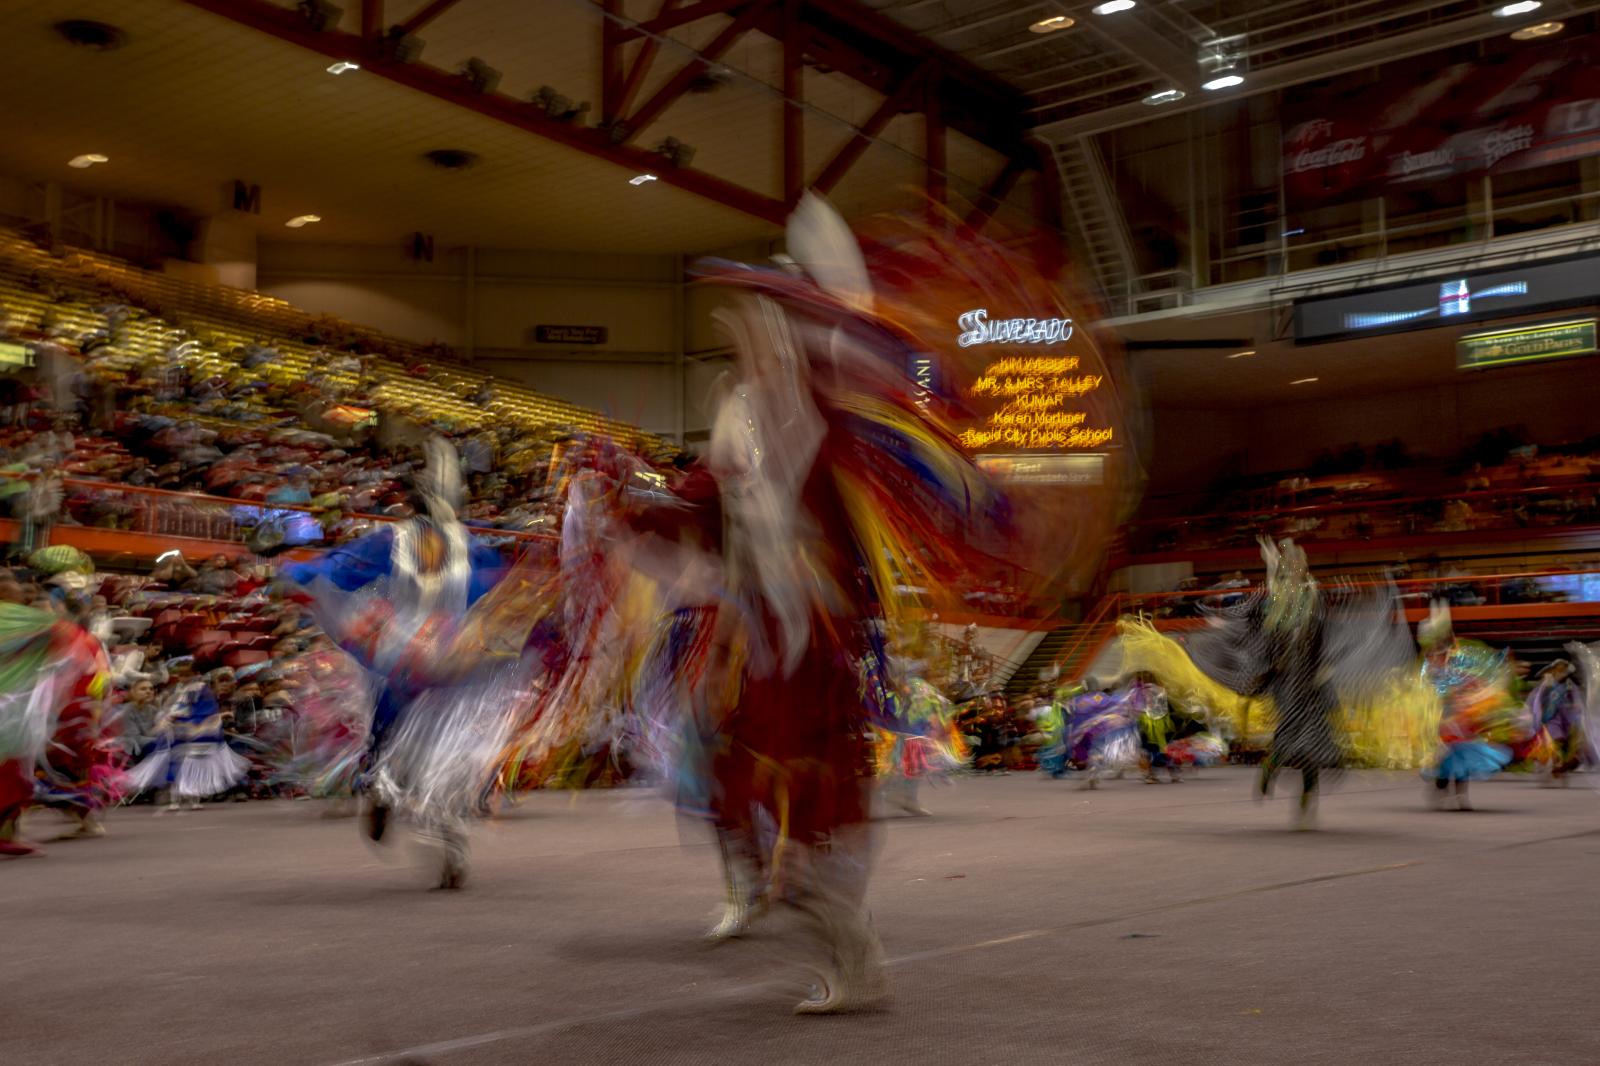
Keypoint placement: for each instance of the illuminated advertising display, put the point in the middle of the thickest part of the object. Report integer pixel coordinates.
(1032, 395)
(1526, 344)
(1449, 299)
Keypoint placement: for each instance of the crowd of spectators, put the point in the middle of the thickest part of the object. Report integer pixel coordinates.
(1502, 481)
(177, 634)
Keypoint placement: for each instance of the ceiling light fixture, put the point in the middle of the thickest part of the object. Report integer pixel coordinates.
(1052, 24)
(300, 220)
(642, 179)
(1165, 96)
(1521, 7)
(342, 66)
(1111, 7)
(1223, 81)
(1304, 381)
(1241, 355)
(84, 162)
(1537, 30)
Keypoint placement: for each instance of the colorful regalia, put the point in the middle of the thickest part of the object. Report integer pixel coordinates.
(1102, 733)
(915, 739)
(420, 607)
(1307, 650)
(1586, 748)
(833, 481)
(1555, 708)
(1480, 720)
(54, 745)
(189, 757)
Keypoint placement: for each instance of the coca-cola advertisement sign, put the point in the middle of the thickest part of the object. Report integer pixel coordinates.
(1535, 106)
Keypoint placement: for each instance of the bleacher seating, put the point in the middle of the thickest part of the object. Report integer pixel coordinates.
(221, 322)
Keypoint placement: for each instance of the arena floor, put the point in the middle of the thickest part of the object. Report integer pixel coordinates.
(1027, 922)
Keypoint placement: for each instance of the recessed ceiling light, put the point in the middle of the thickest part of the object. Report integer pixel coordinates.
(1052, 24)
(1111, 7)
(1223, 81)
(1241, 355)
(1537, 30)
(300, 220)
(1304, 381)
(641, 179)
(1165, 96)
(1521, 7)
(342, 66)
(84, 162)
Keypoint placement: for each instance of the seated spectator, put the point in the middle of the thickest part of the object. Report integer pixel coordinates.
(217, 577)
(139, 716)
(297, 490)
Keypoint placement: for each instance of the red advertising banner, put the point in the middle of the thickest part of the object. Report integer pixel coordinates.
(1537, 105)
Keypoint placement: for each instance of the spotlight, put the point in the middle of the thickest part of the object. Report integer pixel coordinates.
(481, 76)
(1521, 7)
(319, 15)
(642, 179)
(1165, 96)
(1241, 355)
(1537, 30)
(300, 220)
(84, 162)
(1111, 7)
(343, 66)
(1052, 24)
(617, 132)
(676, 152)
(1223, 81)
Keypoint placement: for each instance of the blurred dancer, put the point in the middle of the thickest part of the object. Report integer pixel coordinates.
(53, 677)
(82, 773)
(1287, 641)
(1157, 730)
(825, 477)
(401, 602)
(1556, 709)
(1102, 734)
(1479, 718)
(917, 739)
(188, 758)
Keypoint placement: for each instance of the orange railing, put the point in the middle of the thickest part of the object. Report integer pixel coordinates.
(1466, 591)
(1552, 505)
(189, 515)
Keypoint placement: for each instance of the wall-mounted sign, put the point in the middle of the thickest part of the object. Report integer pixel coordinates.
(16, 355)
(1034, 396)
(1526, 344)
(978, 328)
(922, 378)
(1445, 300)
(1080, 469)
(569, 334)
(1529, 107)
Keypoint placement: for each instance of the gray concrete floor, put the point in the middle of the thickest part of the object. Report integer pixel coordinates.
(1027, 922)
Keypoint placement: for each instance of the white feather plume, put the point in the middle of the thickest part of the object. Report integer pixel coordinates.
(821, 242)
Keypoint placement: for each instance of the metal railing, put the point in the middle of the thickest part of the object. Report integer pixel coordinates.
(1531, 507)
(1463, 590)
(116, 507)
(1488, 590)
(1291, 249)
